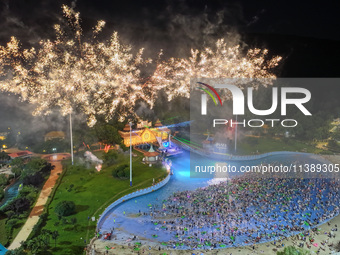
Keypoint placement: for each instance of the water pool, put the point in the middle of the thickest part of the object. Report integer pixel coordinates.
(124, 216)
(10, 193)
(3, 250)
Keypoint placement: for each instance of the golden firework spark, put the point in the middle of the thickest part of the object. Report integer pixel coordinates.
(95, 77)
(220, 62)
(74, 74)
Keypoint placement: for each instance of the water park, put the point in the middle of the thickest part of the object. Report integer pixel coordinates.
(170, 127)
(233, 210)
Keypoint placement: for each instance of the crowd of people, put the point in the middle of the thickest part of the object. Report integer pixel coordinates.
(244, 211)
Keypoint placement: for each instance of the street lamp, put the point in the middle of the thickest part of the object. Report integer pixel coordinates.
(71, 137)
(130, 124)
(236, 136)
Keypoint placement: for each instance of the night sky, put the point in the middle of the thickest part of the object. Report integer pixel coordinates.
(305, 33)
(150, 20)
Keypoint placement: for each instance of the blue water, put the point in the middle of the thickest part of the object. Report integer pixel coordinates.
(3, 250)
(123, 216)
(10, 194)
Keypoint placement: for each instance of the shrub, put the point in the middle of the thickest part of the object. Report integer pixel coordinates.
(110, 157)
(19, 205)
(35, 180)
(65, 208)
(3, 180)
(121, 171)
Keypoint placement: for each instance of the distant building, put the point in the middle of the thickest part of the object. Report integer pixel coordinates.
(144, 124)
(145, 134)
(21, 154)
(151, 156)
(54, 135)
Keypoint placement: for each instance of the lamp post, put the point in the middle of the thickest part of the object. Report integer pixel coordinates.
(130, 123)
(236, 136)
(71, 137)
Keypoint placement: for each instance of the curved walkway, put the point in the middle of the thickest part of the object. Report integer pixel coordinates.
(41, 201)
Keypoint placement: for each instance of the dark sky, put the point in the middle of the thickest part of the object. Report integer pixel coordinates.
(160, 20)
(176, 26)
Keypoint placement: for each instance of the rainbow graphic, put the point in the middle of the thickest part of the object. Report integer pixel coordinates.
(209, 93)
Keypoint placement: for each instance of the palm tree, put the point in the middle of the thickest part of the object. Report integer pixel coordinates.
(33, 245)
(55, 235)
(45, 238)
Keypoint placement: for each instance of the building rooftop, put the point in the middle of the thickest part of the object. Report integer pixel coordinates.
(55, 134)
(20, 154)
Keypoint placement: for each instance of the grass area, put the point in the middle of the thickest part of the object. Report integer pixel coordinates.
(254, 145)
(91, 190)
(3, 232)
(4, 238)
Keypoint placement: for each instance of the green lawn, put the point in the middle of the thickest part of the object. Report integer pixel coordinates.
(92, 192)
(251, 145)
(4, 238)
(3, 233)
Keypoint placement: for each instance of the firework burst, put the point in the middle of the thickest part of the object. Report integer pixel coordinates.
(73, 74)
(219, 62)
(86, 75)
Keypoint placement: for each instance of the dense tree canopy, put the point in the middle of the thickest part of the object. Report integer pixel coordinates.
(65, 208)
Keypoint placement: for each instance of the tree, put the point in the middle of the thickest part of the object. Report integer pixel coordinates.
(44, 238)
(108, 134)
(121, 171)
(3, 180)
(19, 205)
(10, 224)
(110, 157)
(29, 192)
(55, 235)
(33, 244)
(18, 163)
(65, 208)
(4, 156)
(35, 165)
(35, 180)
(35, 170)
(17, 251)
(60, 145)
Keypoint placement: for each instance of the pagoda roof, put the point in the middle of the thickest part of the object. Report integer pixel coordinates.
(151, 154)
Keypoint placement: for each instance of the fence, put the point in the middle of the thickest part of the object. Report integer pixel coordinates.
(130, 196)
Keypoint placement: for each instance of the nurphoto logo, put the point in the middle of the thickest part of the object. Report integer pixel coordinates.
(238, 99)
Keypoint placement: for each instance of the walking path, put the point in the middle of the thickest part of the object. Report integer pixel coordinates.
(41, 201)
